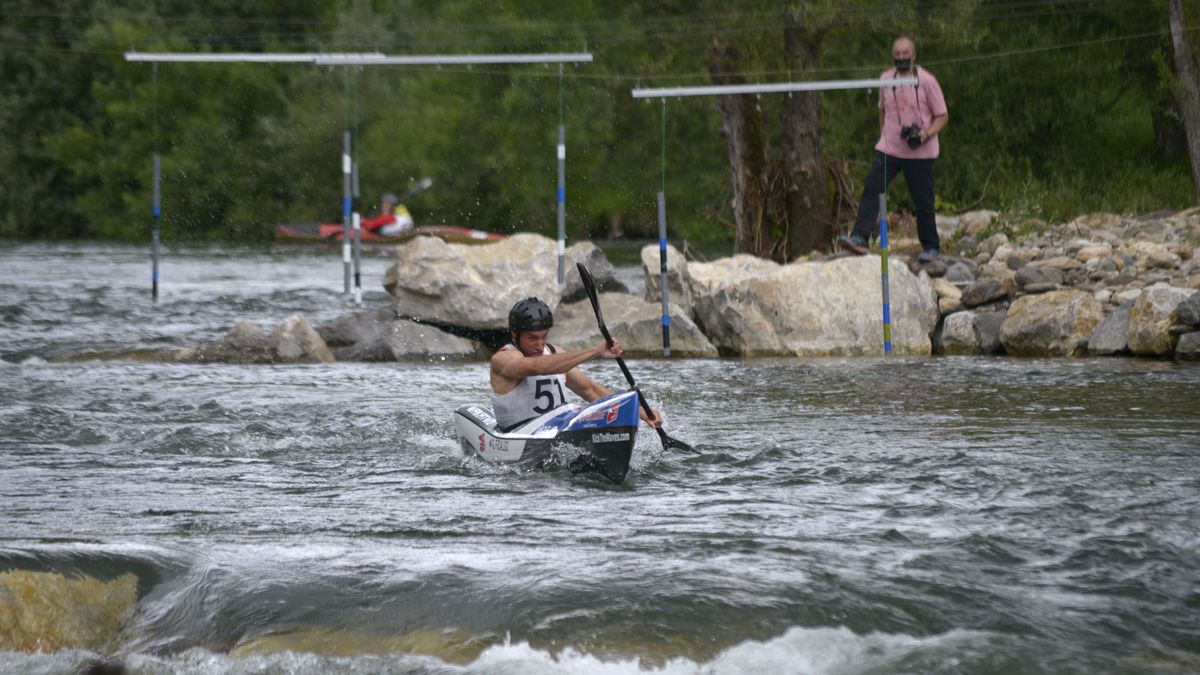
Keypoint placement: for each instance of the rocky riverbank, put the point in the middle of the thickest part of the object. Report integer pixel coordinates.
(1098, 285)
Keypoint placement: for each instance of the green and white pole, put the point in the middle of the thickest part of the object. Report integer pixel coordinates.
(562, 183)
(883, 257)
(156, 206)
(662, 241)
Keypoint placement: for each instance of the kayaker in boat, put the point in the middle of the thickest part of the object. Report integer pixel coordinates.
(529, 374)
(393, 218)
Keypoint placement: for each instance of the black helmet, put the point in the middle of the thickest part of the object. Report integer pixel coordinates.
(389, 198)
(529, 314)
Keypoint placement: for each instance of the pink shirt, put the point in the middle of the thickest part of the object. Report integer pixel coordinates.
(903, 101)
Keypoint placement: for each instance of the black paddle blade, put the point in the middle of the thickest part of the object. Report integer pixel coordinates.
(674, 443)
(589, 285)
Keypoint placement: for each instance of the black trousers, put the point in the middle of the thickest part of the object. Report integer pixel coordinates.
(918, 174)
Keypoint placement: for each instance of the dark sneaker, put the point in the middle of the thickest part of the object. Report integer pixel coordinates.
(929, 255)
(854, 243)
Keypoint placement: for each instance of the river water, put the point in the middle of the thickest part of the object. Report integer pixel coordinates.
(935, 515)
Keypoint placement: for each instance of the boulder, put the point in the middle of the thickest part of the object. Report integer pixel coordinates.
(987, 331)
(1188, 311)
(819, 308)
(1093, 251)
(1057, 323)
(950, 305)
(986, 290)
(1109, 337)
(960, 274)
(1152, 255)
(678, 286)
(410, 340)
(958, 334)
(358, 327)
(1188, 348)
(945, 289)
(292, 341)
(1148, 332)
(597, 264)
(632, 320)
(704, 278)
(472, 285)
(1039, 274)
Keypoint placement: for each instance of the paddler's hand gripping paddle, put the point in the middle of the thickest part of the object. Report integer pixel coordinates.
(590, 286)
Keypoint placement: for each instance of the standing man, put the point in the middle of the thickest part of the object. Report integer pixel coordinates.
(528, 374)
(910, 118)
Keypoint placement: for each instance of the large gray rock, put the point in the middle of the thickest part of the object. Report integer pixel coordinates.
(1109, 336)
(678, 285)
(410, 340)
(1188, 311)
(358, 327)
(472, 285)
(958, 334)
(292, 341)
(1188, 348)
(1148, 332)
(819, 308)
(704, 278)
(1052, 324)
(987, 331)
(636, 323)
(597, 264)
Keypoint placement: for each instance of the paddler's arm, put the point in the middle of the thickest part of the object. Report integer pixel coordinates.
(513, 365)
(591, 390)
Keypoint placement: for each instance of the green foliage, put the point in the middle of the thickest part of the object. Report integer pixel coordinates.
(1052, 111)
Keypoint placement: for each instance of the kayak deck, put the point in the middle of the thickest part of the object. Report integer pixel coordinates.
(596, 438)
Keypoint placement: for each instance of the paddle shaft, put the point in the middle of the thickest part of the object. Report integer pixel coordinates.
(633, 385)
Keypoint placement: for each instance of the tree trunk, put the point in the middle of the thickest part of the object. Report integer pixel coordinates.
(1189, 92)
(810, 226)
(741, 124)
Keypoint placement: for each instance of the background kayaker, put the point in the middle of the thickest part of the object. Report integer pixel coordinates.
(528, 374)
(393, 218)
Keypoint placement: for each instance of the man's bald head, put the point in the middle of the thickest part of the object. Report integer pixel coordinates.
(904, 54)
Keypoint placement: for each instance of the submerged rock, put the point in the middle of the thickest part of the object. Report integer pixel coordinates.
(292, 341)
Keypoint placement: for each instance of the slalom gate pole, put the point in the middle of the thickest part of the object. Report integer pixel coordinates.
(346, 191)
(662, 268)
(156, 205)
(156, 209)
(883, 257)
(356, 220)
(562, 183)
(662, 240)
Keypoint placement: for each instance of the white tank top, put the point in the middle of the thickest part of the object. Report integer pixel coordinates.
(533, 396)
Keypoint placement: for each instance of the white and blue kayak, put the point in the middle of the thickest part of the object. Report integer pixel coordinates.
(597, 437)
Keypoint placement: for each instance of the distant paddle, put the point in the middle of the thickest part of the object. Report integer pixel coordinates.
(590, 286)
